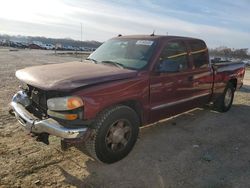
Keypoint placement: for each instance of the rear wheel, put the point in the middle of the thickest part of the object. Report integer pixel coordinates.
(115, 133)
(224, 102)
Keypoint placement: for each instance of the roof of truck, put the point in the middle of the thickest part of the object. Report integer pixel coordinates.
(156, 37)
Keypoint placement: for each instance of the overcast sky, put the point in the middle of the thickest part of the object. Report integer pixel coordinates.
(218, 22)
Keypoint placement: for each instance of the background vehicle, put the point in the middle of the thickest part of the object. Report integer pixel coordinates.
(128, 82)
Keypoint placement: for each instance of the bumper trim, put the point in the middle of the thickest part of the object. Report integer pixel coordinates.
(50, 126)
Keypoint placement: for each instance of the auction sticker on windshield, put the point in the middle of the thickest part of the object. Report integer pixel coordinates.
(144, 42)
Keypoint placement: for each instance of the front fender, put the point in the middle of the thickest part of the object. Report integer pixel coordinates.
(99, 97)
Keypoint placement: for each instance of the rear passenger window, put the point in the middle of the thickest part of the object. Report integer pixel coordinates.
(174, 57)
(199, 53)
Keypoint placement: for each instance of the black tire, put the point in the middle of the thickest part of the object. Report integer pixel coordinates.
(223, 103)
(98, 145)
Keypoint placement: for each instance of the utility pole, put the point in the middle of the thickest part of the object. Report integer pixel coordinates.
(81, 42)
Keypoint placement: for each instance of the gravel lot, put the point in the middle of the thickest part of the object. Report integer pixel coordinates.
(200, 148)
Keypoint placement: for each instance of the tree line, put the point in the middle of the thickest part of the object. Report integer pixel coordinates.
(241, 53)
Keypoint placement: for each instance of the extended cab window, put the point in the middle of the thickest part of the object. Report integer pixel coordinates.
(174, 57)
(199, 53)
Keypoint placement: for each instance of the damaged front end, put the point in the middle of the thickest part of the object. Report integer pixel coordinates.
(30, 109)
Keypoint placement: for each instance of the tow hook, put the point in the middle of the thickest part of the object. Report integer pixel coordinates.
(42, 137)
(11, 112)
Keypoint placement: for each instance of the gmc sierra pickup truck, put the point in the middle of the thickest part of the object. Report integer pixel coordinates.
(128, 82)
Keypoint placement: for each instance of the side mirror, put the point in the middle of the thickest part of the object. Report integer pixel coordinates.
(169, 66)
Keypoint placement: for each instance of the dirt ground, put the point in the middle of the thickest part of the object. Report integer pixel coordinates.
(201, 148)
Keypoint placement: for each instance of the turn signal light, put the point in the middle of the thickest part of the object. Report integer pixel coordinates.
(74, 102)
(62, 115)
(70, 116)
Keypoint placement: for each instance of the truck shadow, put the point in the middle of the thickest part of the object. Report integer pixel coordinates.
(245, 89)
(201, 148)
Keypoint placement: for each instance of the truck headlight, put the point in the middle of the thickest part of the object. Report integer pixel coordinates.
(64, 103)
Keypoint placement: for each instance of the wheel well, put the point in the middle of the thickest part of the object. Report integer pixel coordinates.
(233, 82)
(136, 106)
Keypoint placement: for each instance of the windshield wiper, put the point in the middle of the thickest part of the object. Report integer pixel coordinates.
(114, 63)
(93, 60)
(120, 65)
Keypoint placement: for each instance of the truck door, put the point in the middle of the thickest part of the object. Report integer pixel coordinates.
(202, 79)
(171, 81)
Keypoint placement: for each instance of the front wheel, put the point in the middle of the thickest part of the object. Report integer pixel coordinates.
(115, 133)
(224, 102)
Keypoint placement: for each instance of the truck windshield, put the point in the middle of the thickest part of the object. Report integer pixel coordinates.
(128, 53)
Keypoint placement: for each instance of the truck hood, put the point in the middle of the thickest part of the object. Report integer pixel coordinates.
(72, 75)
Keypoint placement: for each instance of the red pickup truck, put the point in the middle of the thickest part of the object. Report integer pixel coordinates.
(128, 82)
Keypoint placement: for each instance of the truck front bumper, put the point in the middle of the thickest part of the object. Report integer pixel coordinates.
(49, 125)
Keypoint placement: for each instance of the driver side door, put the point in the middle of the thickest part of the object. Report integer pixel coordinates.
(171, 81)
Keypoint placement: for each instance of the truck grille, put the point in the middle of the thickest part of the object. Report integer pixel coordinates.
(39, 98)
(39, 102)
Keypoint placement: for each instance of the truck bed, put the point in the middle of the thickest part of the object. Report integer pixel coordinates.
(225, 71)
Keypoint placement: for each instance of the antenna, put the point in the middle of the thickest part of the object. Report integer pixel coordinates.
(153, 34)
(81, 42)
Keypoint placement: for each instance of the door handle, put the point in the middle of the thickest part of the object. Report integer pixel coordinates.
(190, 78)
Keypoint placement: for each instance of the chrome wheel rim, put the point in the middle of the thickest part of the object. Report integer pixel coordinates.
(118, 135)
(228, 97)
